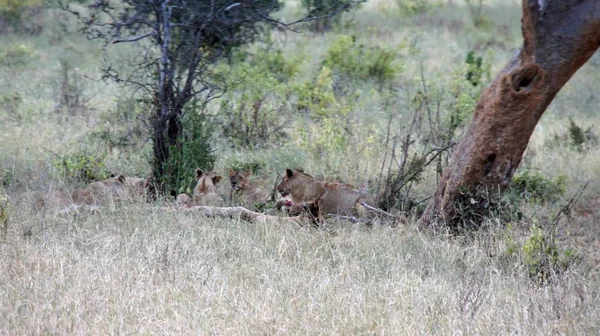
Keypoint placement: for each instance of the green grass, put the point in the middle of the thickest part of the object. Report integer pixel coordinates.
(142, 270)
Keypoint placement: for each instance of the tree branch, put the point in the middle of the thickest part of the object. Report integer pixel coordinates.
(132, 39)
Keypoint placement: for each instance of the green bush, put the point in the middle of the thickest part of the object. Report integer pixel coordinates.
(193, 151)
(412, 7)
(253, 165)
(17, 55)
(254, 112)
(18, 14)
(475, 70)
(360, 62)
(533, 186)
(326, 11)
(81, 167)
(543, 257)
(316, 98)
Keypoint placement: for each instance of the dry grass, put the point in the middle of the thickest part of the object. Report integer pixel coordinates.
(141, 271)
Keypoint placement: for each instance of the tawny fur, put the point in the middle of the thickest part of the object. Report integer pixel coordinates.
(205, 191)
(335, 198)
(243, 192)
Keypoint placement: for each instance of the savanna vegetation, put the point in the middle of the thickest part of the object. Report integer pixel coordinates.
(377, 98)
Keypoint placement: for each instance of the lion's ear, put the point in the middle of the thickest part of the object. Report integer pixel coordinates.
(121, 179)
(199, 173)
(217, 179)
(289, 172)
(231, 172)
(248, 173)
(300, 169)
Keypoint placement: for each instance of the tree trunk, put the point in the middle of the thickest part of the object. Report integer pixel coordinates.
(559, 37)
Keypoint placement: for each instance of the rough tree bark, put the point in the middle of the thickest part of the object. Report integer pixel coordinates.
(559, 37)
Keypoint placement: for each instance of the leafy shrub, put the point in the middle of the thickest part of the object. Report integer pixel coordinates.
(16, 55)
(81, 167)
(316, 98)
(478, 15)
(18, 14)
(412, 7)
(474, 68)
(252, 165)
(543, 257)
(361, 62)
(193, 151)
(323, 9)
(580, 139)
(576, 135)
(533, 186)
(253, 112)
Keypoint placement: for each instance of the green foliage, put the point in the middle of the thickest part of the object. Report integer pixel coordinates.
(326, 131)
(17, 55)
(253, 165)
(543, 257)
(475, 70)
(316, 98)
(10, 102)
(576, 135)
(192, 151)
(478, 15)
(18, 14)
(580, 139)
(324, 9)
(533, 186)
(412, 7)
(81, 167)
(361, 62)
(253, 113)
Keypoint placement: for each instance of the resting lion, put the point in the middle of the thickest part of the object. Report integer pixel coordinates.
(110, 191)
(334, 198)
(242, 191)
(205, 191)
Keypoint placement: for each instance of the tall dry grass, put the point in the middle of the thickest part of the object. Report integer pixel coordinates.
(139, 270)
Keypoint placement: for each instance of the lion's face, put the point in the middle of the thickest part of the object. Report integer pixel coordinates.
(239, 179)
(292, 181)
(284, 186)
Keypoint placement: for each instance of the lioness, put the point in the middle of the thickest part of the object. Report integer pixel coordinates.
(205, 191)
(100, 192)
(242, 191)
(108, 191)
(139, 188)
(335, 199)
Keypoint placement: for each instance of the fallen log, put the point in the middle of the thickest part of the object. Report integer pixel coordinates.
(246, 215)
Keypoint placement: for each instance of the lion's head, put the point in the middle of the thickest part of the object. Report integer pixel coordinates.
(206, 182)
(239, 178)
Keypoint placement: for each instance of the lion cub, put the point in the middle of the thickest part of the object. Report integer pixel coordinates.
(205, 191)
(243, 192)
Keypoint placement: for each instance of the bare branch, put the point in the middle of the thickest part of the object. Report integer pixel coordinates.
(132, 39)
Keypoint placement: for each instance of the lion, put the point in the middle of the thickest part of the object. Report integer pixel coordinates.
(112, 189)
(205, 191)
(334, 198)
(242, 191)
(139, 188)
